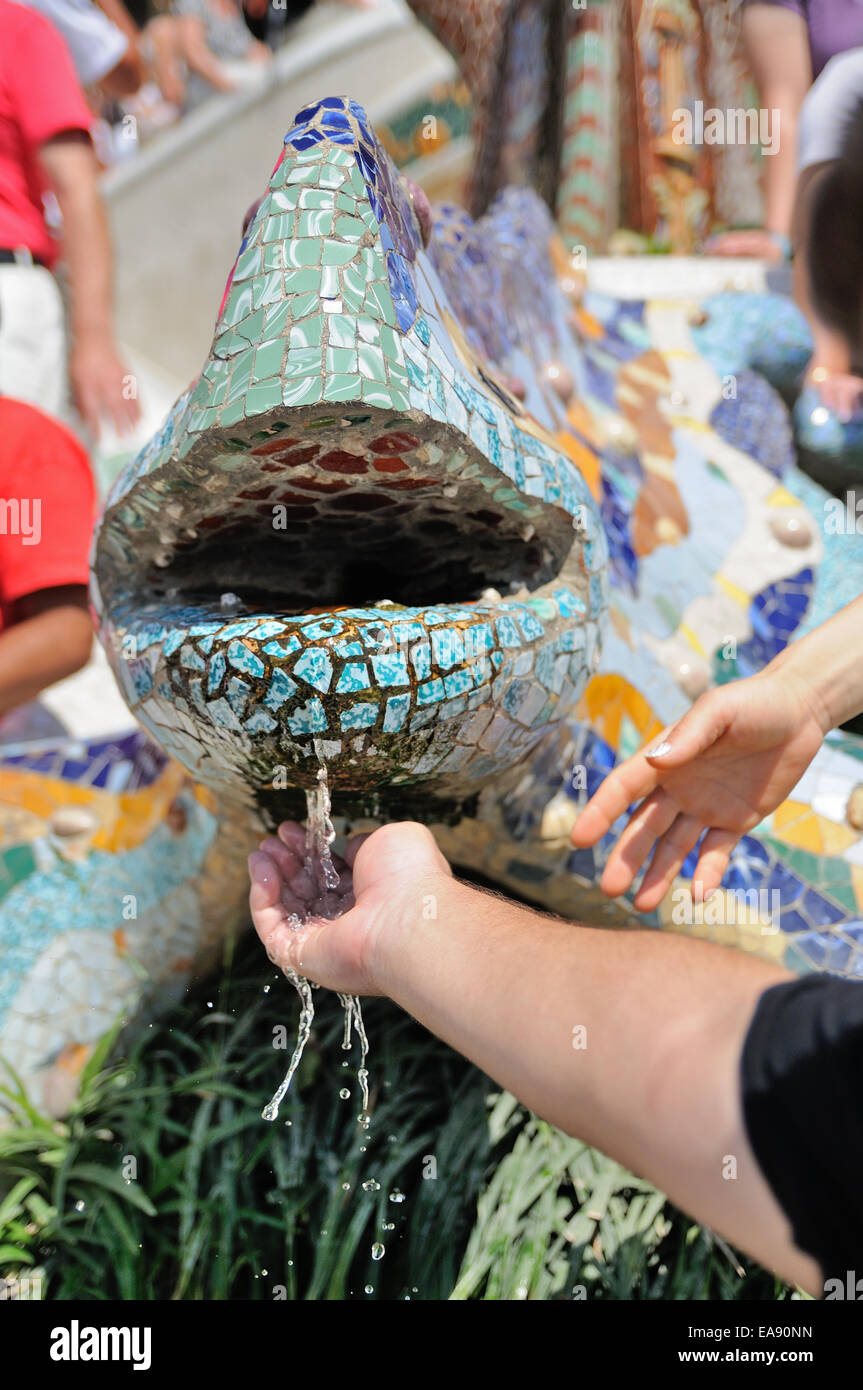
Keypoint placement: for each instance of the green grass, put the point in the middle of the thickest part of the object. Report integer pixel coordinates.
(224, 1205)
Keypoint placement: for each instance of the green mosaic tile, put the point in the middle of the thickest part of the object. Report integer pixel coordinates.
(268, 359)
(379, 303)
(334, 178)
(264, 395)
(240, 303)
(330, 287)
(371, 362)
(300, 174)
(303, 304)
(375, 394)
(318, 222)
(298, 281)
(351, 228)
(302, 252)
(342, 388)
(341, 330)
(369, 329)
(251, 327)
(303, 362)
(307, 334)
(316, 198)
(391, 343)
(399, 382)
(249, 263)
(281, 227)
(338, 252)
(342, 360)
(303, 390)
(276, 319)
(269, 289)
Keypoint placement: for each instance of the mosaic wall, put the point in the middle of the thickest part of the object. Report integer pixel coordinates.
(118, 882)
(580, 102)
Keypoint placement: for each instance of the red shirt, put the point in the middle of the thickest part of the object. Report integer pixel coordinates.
(40, 97)
(47, 505)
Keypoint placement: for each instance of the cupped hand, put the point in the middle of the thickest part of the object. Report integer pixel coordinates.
(732, 759)
(384, 880)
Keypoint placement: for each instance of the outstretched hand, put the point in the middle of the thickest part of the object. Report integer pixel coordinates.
(383, 879)
(724, 766)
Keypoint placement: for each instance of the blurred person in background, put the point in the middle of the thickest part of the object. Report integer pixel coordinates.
(787, 43)
(45, 145)
(102, 40)
(201, 47)
(828, 231)
(47, 509)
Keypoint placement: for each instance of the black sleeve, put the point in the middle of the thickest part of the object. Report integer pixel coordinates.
(802, 1080)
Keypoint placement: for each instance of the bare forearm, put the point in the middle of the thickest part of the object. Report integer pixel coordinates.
(41, 650)
(88, 254)
(830, 661)
(630, 1040)
(779, 171)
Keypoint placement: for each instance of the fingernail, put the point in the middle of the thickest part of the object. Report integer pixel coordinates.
(259, 869)
(660, 749)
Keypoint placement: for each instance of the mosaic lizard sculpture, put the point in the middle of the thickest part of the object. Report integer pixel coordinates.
(437, 518)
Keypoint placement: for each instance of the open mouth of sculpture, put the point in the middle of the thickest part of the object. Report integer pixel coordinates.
(309, 527)
(362, 591)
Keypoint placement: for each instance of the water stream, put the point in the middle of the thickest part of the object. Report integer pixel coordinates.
(326, 903)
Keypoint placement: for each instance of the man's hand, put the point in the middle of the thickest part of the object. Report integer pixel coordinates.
(724, 766)
(383, 880)
(102, 386)
(99, 380)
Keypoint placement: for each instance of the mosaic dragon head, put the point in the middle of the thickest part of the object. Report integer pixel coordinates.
(351, 543)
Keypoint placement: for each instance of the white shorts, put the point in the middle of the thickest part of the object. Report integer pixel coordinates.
(33, 339)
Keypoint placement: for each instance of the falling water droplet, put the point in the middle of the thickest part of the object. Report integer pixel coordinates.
(378, 1251)
(369, 1288)
(371, 1185)
(307, 1014)
(344, 1093)
(396, 1196)
(80, 1206)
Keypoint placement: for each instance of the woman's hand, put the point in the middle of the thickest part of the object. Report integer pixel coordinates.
(754, 241)
(385, 880)
(724, 766)
(840, 391)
